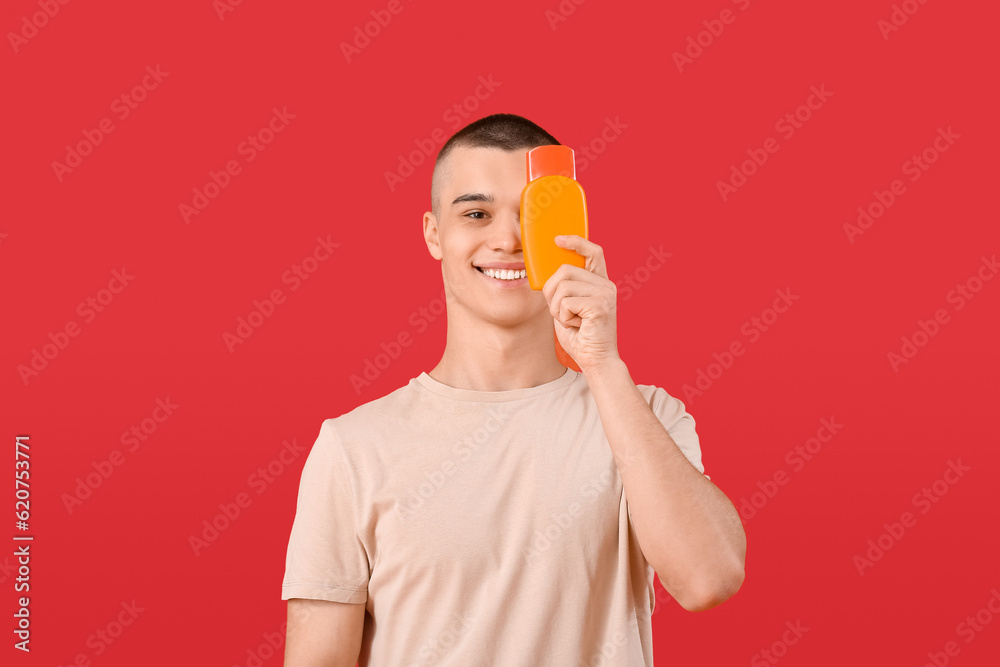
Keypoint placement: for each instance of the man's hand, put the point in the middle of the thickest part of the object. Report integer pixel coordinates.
(584, 304)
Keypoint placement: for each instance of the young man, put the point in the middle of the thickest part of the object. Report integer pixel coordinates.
(503, 509)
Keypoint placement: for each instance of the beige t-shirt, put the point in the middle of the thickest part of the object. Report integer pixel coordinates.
(479, 527)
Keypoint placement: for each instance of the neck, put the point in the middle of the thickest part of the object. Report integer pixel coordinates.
(485, 356)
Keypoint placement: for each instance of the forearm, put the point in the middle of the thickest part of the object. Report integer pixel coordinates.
(688, 529)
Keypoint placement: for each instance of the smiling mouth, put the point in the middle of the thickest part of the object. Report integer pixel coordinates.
(504, 274)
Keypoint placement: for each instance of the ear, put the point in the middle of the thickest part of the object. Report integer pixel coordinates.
(431, 235)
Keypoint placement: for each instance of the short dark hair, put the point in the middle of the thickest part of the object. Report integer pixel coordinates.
(505, 131)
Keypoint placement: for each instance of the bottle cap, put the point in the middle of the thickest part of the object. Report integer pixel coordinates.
(551, 160)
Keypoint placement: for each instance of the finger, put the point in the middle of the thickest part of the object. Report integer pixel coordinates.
(570, 311)
(568, 273)
(563, 287)
(593, 253)
(566, 317)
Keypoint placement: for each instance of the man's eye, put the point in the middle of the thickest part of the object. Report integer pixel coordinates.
(475, 213)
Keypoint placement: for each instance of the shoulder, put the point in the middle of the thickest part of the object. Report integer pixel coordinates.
(667, 407)
(679, 423)
(373, 420)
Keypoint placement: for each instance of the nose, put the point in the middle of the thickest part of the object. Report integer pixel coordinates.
(505, 233)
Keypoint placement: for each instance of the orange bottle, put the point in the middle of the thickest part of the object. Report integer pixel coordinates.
(552, 204)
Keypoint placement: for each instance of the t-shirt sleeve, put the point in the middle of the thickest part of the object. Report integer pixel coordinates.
(679, 424)
(326, 559)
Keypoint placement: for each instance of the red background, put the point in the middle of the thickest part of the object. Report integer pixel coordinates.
(654, 185)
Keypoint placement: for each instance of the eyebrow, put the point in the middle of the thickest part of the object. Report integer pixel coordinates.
(473, 196)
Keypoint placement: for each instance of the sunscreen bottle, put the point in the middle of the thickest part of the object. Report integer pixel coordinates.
(552, 204)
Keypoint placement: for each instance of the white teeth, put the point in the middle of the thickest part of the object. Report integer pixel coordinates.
(505, 274)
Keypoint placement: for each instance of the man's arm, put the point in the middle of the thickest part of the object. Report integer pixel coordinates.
(323, 634)
(688, 529)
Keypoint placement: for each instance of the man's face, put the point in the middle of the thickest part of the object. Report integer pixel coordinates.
(479, 225)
